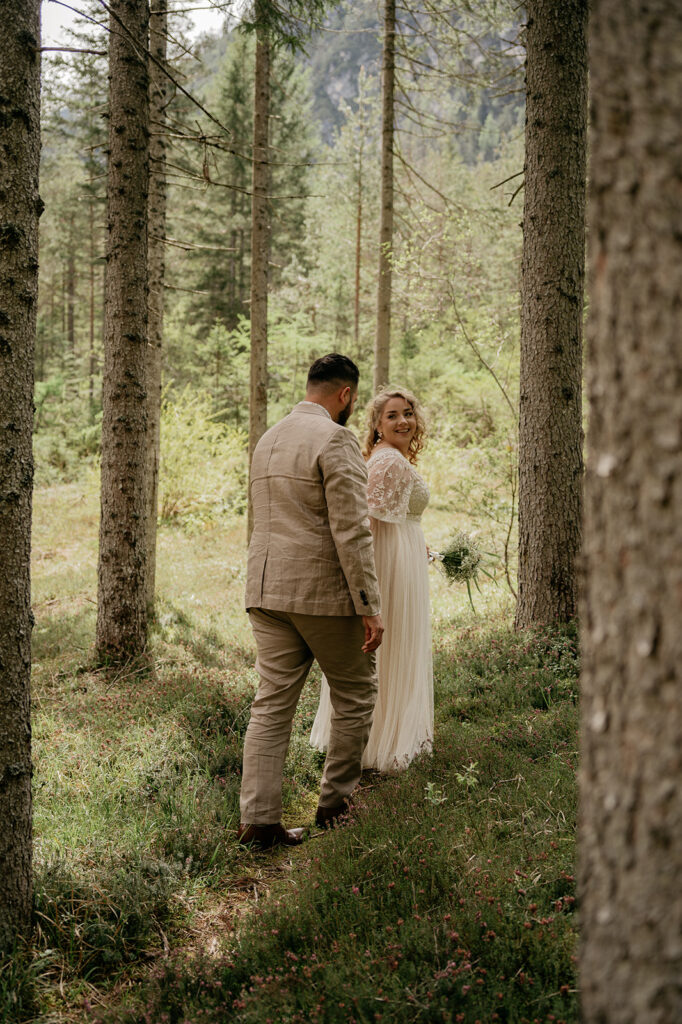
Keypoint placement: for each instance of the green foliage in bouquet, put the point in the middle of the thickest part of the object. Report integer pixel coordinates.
(460, 562)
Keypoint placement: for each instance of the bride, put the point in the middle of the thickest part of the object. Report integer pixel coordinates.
(397, 496)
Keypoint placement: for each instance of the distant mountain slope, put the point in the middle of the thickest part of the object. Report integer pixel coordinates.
(350, 41)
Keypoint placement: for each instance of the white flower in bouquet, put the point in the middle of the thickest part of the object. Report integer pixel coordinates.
(460, 561)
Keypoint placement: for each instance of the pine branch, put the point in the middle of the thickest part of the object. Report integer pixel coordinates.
(71, 49)
(475, 349)
(143, 50)
(410, 168)
(505, 180)
(189, 246)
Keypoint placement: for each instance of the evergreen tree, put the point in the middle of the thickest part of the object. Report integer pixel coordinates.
(122, 568)
(631, 799)
(383, 334)
(74, 172)
(20, 207)
(159, 99)
(550, 425)
(260, 244)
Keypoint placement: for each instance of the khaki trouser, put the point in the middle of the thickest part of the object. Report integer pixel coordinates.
(287, 644)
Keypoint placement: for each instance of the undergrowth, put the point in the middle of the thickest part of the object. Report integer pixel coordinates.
(449, 896)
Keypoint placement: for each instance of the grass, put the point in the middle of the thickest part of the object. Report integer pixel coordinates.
(450, 897)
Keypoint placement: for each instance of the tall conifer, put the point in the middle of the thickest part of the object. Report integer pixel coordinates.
(19, 211)
(122, 570)
(552, 281)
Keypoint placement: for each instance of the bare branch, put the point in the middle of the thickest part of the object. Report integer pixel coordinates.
(476, 350)
(504, 182)
(71, 49)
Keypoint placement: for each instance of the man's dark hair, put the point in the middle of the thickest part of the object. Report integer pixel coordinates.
(333, 369)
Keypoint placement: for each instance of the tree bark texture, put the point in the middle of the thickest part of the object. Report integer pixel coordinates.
(122, 589)
(260, 252)
(159, 97)
(358, 249)
(91, 335)
(631, 609)
(552, 283)
(382, 343)
(20, 208)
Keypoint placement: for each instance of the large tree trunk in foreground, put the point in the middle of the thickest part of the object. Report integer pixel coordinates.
(382, 343)
(631, 811)
(550, 427)
(122, 590)
(19, 211)
(260, 252)
(158, 101)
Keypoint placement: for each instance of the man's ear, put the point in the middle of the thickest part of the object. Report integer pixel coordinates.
(344, 394)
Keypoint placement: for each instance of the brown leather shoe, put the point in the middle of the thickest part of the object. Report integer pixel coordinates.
(264, 837)
(328, 817)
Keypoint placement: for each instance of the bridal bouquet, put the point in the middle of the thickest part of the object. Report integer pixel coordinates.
(460, 561)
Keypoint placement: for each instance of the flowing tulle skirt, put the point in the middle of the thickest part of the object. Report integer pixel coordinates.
(403, 717)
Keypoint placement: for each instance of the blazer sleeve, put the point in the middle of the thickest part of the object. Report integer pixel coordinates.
(344, 477)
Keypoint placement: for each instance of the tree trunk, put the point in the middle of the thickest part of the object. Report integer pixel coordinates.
(91, 345)
(158, 101)
(260, 252)
(383, 335)
(358, 251)
(122, 589)
(71, 295)
(631, 809)
(20, 207)
(550, 423)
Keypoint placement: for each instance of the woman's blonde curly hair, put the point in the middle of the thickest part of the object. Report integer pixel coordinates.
(374, 413)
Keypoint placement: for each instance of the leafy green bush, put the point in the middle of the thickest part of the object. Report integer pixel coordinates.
(203, 462)
(66, 439)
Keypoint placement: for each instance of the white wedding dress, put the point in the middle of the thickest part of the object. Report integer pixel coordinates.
(403, 717)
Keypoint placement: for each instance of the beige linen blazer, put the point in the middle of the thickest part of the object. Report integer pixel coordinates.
(311, 549)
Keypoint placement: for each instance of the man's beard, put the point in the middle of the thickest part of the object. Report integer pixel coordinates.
(344, 415)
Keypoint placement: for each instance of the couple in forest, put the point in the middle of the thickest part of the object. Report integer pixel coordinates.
(337, 572)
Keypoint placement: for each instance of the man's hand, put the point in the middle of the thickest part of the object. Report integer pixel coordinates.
(374, 631)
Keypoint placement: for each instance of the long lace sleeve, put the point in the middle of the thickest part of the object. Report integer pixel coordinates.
(389, 486)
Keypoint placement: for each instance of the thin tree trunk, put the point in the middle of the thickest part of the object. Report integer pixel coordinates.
(20, 207)
(158, 101)
(241, 275)
(631, 798)
(550, 424)
(91, 346)
(260, 252)
(358, 251)
(383, 333)
(122, 589)
(71, 294)
(64, 308)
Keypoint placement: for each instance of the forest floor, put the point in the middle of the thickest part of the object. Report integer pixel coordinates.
(450, 896)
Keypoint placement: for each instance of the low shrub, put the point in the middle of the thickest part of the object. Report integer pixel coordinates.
(203, 463)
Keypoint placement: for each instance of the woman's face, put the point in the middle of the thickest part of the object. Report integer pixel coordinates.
(398, 424)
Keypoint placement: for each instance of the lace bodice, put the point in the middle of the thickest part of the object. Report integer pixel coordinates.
(395, 491)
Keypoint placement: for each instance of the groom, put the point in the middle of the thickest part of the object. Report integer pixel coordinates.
(311, 593)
